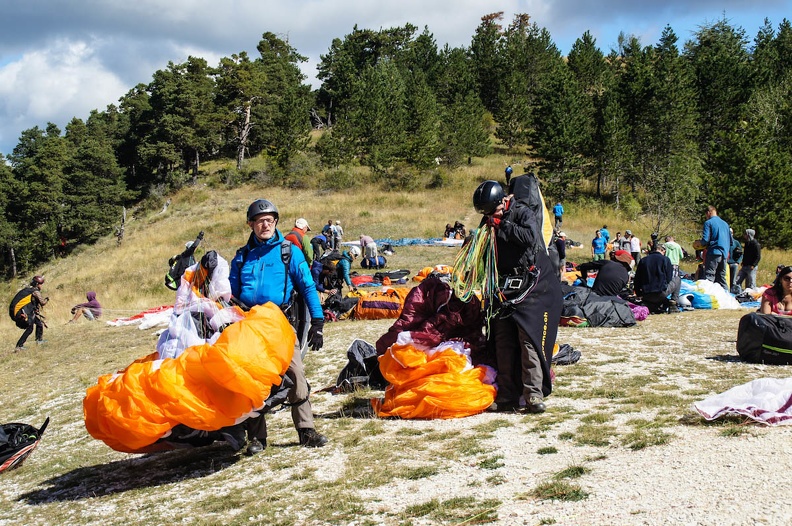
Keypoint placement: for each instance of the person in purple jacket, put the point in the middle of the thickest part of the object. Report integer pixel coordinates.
(91, 309)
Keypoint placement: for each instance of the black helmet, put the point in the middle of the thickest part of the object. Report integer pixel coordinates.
(262, 206)
(487, 197)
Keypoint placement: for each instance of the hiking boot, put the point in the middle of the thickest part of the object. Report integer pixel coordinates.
(256, 446)
(535, 405)
(310, 438)
(502, 407)
(235, 436)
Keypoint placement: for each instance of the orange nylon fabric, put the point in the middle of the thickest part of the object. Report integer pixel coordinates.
(380, 304)
(437, 386)
(207, 387)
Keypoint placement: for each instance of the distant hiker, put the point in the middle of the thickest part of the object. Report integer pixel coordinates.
(716, 238)
(635, 246)
(297, 237)
(338, 234)
(558, 212)
(509, 172)
(91, 309)
(25, 310)
(369, 247)
(260, 272)
(752, 254)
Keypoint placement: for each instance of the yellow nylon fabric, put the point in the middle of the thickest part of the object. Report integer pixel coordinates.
(437, 386)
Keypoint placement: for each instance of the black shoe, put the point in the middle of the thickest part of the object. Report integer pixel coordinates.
(535, 405)
(234, 435)
(502, 407)
(310, 438)
(256, 446)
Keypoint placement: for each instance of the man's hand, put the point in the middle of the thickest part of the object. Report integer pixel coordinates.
(315, 337)
(494, 222)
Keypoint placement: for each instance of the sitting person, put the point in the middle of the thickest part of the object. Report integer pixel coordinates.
(655, 280)
(778, 298)
(449, 232)
(612, 275)
(91, 309)
(459, 230)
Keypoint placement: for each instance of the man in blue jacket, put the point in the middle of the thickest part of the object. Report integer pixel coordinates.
(263, 271)
(717, 239)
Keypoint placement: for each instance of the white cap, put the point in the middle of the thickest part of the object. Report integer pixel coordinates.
(561, 234)
(302, 223)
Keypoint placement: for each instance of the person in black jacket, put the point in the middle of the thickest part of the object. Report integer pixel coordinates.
(654, 281)
(523, 331)
(613, 275)
(752, 254)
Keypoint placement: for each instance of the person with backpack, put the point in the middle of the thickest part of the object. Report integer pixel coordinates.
(345, 264)
(319, 245)
(25, 310)
(268, 268)
(528, 300)
(297, 237)
(752, 254)
(558, 213)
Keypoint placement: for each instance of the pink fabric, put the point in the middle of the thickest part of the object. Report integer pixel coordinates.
(639, 311)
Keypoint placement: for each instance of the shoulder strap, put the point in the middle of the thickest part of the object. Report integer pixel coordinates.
(286, 254)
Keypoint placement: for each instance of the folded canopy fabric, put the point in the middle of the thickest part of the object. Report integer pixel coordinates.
(433, 383)
(206, 387)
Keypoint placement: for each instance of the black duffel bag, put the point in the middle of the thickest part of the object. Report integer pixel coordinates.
(765, 338)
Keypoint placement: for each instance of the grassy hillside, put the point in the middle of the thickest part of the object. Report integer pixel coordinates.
(625, 395)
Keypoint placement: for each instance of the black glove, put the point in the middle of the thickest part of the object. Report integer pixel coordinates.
(315, 338)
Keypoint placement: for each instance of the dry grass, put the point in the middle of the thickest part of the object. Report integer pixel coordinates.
(627, 394)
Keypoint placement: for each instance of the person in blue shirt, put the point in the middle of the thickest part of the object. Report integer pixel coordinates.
(259, 273)
(717, 240)
(558, 212)
(509, 172)
(605, 234)
(598, 246)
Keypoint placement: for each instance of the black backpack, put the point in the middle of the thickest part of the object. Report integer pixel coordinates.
(765, 338)
(22, 307)
(17, 442)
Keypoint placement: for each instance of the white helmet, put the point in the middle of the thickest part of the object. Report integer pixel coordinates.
(355, 251)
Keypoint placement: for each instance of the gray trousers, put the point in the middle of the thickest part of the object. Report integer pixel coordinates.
(715, 270)
(519, 369)
(301, 412)
(749, 275)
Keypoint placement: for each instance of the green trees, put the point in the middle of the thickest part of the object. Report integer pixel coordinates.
(646, 127)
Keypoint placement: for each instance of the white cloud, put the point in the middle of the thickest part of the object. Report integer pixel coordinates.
(53, 85)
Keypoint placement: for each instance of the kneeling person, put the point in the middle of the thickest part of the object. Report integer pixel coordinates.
(259, 274)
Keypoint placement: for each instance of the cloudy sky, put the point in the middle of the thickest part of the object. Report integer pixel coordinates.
(60, 59)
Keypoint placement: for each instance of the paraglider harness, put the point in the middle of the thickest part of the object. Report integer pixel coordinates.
(295, 309)
(181, 262)
(17, 442)
(23, 308)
